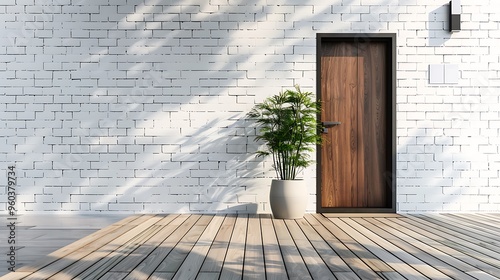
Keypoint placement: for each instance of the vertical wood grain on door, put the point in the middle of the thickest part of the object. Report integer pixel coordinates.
(354, 154)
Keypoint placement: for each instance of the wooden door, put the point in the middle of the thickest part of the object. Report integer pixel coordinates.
(356, 158)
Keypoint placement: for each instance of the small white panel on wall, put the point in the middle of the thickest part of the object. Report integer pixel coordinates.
(436, 74)
(443, 74)
(451, 74)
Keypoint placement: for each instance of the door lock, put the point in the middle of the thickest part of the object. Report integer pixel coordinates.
(327, 125)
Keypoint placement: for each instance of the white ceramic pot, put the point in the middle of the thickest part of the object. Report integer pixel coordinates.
(288, 199)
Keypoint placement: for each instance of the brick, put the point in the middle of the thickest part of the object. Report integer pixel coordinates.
(70, 206)
(99, 206)
(125, 207)
(167, 208)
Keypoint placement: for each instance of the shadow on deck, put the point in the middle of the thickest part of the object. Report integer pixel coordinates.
(343, 246)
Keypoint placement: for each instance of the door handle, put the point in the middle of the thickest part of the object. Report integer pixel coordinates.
(327, 125)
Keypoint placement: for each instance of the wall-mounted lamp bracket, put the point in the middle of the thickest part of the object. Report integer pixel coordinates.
(455, 10)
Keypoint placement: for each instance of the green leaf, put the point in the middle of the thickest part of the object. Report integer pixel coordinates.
(287, 124)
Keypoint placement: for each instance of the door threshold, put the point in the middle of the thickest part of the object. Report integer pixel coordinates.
(362, 215)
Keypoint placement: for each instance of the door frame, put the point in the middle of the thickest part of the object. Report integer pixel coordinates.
(390, 39)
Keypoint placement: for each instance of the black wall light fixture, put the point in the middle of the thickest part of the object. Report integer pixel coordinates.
(455, 10)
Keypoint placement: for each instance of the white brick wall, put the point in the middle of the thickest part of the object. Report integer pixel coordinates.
(140, 105)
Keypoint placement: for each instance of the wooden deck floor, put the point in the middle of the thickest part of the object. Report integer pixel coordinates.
(350, 246)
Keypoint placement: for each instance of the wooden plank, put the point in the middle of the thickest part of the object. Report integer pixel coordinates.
(175, 259)
(254, 252)
(275, 267)
(334, 262)
(464, 225)
(482, 275)
(148, 266)
(96, 264)
(215, 258)
(168, 219)
(233, 263)
(365, 255)
(107, 232)
(426, 244)
(476, 219)
(160, 276)
(381, 253)
(325, 229)
(194, 260)
(459, 226)
(494, 215)
(168, 225)
(408, 259)
(418, 249)
(15, 275)
(392, 275)
(480, 218)
(113, 276)
(461, 242)
(295, 266)
(315, 264)
(123, 233)
(491, 216)
(455, 228)
(433, 240)
(346, 276)
(208, 276)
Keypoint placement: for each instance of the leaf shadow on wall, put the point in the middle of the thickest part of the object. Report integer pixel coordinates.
(149, 116)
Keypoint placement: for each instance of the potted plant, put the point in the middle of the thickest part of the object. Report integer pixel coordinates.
(289, 129)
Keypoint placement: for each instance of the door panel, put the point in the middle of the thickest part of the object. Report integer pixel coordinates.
(339, 104)
(374, 122)
(354, 156)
